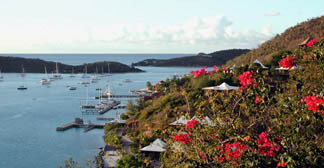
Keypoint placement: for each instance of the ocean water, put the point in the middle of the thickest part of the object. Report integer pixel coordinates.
(28, 119)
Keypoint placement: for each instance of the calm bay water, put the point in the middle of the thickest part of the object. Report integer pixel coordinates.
(28, 118)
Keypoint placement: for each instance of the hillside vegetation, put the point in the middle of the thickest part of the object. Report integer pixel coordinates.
(275, 119)
(288, 40)
(215, 58)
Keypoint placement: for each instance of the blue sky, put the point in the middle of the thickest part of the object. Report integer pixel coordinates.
(145, 26)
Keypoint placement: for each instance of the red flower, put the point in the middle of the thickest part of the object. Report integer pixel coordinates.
(231, 151)
(182, 138)
(311, 43)
(202, 71)
(213, 137)
(258, 99)
(202, 155)
(313, 103)
(287, 62)
(215, 69)
(282, 164)
(221, 159)
(224, 69)
(246, 78)
(191, 123)
(265, 146)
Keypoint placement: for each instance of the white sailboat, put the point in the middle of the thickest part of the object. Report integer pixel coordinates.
(22, 87)
(85, 75)
(1, 76)
(72, 73)
(87, 105)
(94, 78)
(45, 81)
(57, 75)
(102, 72)
(109, 73)
(23, 72)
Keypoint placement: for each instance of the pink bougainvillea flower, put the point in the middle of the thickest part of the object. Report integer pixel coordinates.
(266, 147)
(258, 99)
(282, 164)
(311, 43)
(182, 138)
(200, 72)
(313, 103)
(287, 62)
(215, 69)
(231, 151)
(246, 78)
(202, 155)
(220, 159)
(191, 123)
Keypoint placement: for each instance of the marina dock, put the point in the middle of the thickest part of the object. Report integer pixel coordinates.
(114, 105)
(78, 123)
(104, 118)
(119, 96)
(109, 107)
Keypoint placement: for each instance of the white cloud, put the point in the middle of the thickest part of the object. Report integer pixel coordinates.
(272, 13)
(197, 34)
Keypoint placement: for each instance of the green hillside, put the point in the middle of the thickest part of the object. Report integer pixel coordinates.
(290, 39)
(275, 119)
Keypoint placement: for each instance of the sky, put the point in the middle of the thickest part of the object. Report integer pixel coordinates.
(146, 26)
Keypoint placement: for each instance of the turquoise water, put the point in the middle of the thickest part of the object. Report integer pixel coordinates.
(28, 119)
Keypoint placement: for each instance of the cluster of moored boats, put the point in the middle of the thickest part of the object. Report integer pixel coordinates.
(103, 105)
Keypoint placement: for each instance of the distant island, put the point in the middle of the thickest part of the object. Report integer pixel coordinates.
(16, 64)
(201, 59)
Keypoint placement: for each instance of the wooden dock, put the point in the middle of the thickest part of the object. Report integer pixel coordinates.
(78, 123)
(114, 105)
(119, 96)
(109, 107)
(67, 126)
(104, 118)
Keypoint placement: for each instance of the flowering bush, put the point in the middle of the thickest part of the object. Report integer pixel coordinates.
(182, 138)
(215, 69)
(313, 103)
(282, 164)
(311, 43)
(246, 78)
(258, 99)
(203, 71)
(279, 132)
(287, 62)
(231, 151)
(191, 124)
(197, 73)
(266, 147)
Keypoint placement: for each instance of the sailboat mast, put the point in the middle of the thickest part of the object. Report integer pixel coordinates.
(108, 89)
(46, 72)
(57, 71)
(87, 101)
